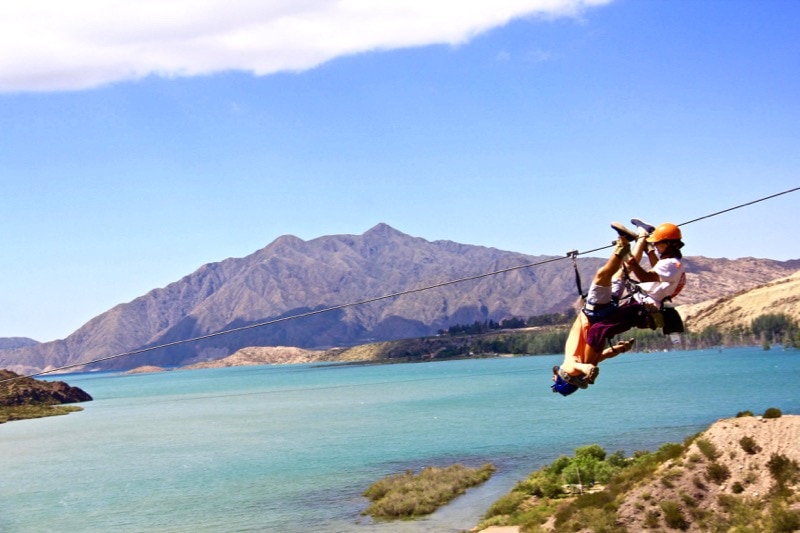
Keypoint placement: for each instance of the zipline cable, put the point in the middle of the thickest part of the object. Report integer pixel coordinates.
(740, 206)
(571, 254)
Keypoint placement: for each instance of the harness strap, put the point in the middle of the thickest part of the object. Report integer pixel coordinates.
(574, 254)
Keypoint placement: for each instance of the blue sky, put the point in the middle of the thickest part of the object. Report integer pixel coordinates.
(138, 145)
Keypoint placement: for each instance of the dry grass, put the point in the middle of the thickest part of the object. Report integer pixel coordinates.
(24, 412)
(408, 495)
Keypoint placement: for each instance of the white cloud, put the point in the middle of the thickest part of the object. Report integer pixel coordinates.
(58, 45)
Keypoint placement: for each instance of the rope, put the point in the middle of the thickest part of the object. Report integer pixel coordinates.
(572, 254)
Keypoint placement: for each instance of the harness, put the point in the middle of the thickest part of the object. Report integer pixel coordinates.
(597, 312)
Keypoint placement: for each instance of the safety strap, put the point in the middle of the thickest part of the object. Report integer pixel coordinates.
(574, 254)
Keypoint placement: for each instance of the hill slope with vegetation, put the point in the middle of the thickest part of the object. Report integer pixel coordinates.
(733, 315)
(741, 474)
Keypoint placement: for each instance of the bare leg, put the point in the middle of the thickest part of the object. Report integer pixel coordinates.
(605, 273)
(618, 348)
(638, 250)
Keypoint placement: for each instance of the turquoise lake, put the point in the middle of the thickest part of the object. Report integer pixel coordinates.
(291, 448)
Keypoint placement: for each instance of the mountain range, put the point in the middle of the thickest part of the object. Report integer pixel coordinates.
(342, 284)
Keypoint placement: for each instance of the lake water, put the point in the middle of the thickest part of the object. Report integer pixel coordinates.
(291, 448)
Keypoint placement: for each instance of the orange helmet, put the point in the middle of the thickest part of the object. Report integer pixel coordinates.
(665, 232)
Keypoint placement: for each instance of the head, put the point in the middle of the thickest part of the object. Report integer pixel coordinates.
(560, 386)
(667, 240)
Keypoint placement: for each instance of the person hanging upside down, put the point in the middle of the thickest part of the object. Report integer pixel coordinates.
(603, 316)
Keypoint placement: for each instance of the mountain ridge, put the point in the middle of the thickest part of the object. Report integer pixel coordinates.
(291, 276)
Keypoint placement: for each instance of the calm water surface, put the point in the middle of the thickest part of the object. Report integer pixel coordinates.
(291, 448)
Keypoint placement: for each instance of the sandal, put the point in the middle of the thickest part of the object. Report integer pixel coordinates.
(592, 375)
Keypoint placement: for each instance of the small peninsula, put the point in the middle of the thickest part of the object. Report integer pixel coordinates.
(23, 397)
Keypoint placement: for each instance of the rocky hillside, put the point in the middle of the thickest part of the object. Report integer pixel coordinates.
(17, 391)
(709, 279)
(728, 462)
(291, 277)
(738, 310)
(268, 355)
(741, 474)
(12, 343)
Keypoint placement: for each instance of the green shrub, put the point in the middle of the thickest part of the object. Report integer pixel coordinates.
(651, 519)
(669, 450)
(506, 505)
(673, 516)
(707, 448)
(773, 412)
(749, 445)
(741, 414)
(594, 500)
(558, 466)
(617, 459)
(594, 451)
(783, 520)
(688, 500)
(784, 471)
(717, 472)
(542, 484)
(737, 487)
(698, 482)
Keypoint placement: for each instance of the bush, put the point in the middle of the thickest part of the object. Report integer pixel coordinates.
(670, 450)
(651, 519)
(749, 445)
(698, 483)
(784, 520)
(506, 505)
(541, 484)
(594, 451)
(784, 470)
(773, 412)
(673, 516)
(708, 449)
(717, 473)
(741, 414)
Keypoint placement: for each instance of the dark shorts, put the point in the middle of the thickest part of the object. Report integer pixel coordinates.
(620, 320)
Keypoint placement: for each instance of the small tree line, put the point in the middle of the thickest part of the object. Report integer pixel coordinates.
(478, 327)
(766, 330)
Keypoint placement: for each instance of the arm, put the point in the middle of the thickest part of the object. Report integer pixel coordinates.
(652, 256)
(642, 274)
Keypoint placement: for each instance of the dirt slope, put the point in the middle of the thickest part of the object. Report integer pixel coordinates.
(686, 480)
(778, 296)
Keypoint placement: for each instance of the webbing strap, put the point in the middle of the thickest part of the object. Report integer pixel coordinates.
(574, 254)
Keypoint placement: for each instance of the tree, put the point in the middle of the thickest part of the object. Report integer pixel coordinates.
(773, 326)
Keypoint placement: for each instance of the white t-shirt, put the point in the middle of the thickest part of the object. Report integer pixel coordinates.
(673, 278)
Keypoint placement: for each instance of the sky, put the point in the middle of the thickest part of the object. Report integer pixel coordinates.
(141, 140)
